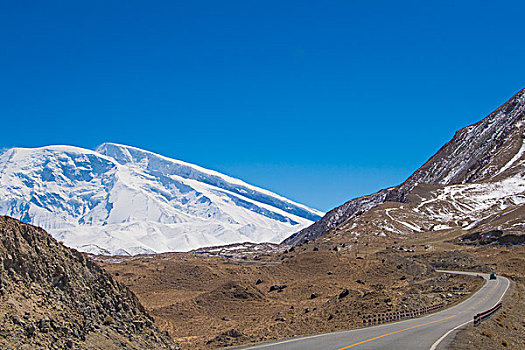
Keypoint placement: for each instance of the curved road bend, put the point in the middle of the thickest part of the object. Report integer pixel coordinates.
(427, 332)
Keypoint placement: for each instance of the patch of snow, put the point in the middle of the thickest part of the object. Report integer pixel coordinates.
(514, 159)
(441, 227)
(413, 227)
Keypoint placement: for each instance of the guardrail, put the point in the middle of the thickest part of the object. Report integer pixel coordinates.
(371, 320)
(478, 318)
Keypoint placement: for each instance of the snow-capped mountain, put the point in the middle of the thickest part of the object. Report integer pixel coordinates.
(474, 182)
(124, 200)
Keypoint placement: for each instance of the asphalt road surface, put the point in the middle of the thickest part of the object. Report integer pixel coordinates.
(432, 331)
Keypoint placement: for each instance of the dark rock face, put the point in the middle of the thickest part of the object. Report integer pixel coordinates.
(53, 297)
(476, 153)
(344, 293)
(277, 287)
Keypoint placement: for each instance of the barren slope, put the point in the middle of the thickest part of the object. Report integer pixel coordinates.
(53, 297)
(207, 301)
(484, 161)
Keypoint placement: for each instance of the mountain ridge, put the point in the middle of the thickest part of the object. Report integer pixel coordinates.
(124, 200)
(473, 155)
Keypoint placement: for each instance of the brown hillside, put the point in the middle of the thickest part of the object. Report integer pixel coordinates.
(53, 297)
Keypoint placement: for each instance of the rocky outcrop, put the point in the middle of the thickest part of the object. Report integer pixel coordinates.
(53, 297)
(489, 149)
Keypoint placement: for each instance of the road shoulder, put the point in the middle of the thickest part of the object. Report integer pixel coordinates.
(504, 329)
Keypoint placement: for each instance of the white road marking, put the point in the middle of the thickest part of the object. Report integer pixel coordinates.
(435, 345)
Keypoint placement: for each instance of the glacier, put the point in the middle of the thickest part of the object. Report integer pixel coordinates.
(122, 200)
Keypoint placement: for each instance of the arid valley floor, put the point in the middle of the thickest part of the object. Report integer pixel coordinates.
(211, 299)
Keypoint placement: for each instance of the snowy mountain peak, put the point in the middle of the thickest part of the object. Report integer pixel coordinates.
(164, 166)
(124, 200)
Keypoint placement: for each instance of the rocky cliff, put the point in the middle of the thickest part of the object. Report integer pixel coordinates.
(53, 297)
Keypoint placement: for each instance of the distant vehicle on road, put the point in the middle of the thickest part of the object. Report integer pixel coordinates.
(492, 276)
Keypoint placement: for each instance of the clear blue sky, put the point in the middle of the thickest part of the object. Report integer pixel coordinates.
(318, 101)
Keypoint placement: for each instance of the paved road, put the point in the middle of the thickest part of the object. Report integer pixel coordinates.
(427, 332)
